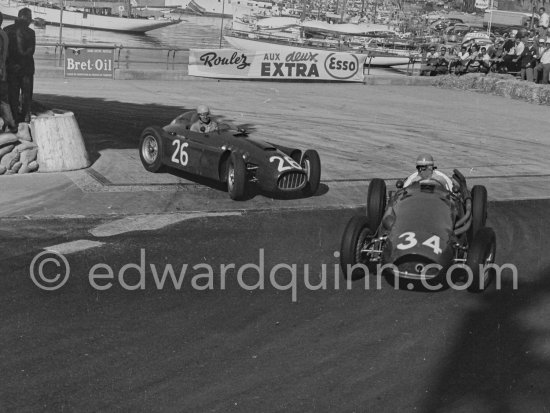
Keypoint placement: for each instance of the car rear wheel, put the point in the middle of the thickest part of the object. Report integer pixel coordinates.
(376, 202)
(150, 148)
(355, 237)
(481, 253)
(479, 209)
(236, 177)
(311, 163)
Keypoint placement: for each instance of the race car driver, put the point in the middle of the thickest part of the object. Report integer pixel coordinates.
(425, 169)
(204, 124)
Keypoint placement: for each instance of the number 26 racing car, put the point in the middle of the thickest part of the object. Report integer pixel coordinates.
(229, 156)
(422, 232)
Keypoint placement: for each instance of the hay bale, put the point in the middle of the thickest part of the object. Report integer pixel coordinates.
(544, 95)
(2, 170)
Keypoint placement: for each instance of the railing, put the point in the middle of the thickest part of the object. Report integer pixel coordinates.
(52, 54)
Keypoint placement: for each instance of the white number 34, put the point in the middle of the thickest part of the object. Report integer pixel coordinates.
(410, 241)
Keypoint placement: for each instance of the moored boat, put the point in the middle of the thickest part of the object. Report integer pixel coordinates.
(380, 45)
(89, 18)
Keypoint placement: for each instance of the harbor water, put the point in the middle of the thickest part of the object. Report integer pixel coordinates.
(191, 32)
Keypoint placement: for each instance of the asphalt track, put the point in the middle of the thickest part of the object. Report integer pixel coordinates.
(238, 349)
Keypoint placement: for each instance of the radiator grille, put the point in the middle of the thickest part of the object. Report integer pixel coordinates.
(291, 181)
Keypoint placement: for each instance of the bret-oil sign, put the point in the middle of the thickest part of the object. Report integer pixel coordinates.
(89, 62)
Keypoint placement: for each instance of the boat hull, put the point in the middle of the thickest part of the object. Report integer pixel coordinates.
(262, 45)
(85, 20)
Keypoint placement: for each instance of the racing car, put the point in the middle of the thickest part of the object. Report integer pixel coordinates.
(419, 232)
(230, 156)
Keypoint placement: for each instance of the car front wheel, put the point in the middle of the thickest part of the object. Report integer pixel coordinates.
(236, 177)
(150, 148)
(311, 163)
(480, 255)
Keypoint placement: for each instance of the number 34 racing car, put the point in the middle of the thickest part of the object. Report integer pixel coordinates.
(229, 156)
(422, 232)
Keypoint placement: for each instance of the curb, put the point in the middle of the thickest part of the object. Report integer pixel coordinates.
(182, 75)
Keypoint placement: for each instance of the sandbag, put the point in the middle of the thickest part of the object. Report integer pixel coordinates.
(24, 145)
(16, 166)
(33, 166)
(24, 132)
(6, 138)
(5, 149)
(28, 155)
(9, 159)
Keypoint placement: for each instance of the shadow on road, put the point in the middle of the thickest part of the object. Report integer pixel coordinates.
(499, 361)
(108, 124)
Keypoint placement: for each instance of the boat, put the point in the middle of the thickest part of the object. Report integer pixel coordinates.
(380, 45)
(97, 18)
(227, 8)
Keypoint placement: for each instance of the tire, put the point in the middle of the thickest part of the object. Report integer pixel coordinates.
(296, 156)
(481, 252)
(236, 177)
(376, 202)
(312, 164)
(479, 210)
(151, 148)
(356, 233)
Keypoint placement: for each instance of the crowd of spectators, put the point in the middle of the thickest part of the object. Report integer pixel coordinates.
(527, 57)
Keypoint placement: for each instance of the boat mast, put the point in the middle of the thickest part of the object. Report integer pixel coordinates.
(61, 21)
(344, 3)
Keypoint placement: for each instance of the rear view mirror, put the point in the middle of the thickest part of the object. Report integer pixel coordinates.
(399, 184)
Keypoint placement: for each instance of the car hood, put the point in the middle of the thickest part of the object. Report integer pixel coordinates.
(423, 226)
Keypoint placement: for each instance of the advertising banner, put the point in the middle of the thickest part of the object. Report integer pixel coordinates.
(482, 4)
(89, 62)
(295, 64)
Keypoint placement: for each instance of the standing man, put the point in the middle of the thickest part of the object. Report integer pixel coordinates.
(20, 65)
(544, 21)
(542, 70)
(5, 110)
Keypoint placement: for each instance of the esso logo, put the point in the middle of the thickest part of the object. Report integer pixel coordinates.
(342, 65)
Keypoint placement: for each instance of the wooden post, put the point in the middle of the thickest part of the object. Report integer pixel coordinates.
(60, 143)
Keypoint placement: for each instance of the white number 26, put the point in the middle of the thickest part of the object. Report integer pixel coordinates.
(180, 155)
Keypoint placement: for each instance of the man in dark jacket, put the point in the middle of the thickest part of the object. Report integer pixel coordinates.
(5, 110)
(20, 65)
(528, 60)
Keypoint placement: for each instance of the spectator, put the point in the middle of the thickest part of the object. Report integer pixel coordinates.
(443, 62)
(528, 60)
(432, 59)
(5, 110)
(474, 62)
(20, 65)
(542, 70)
(544, 21)
(484, 60)
(462, 61)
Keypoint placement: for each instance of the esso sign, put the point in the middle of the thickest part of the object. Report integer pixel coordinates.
(342, 65)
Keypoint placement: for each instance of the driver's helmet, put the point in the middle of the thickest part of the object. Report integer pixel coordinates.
(423, 161)
(204, 113)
